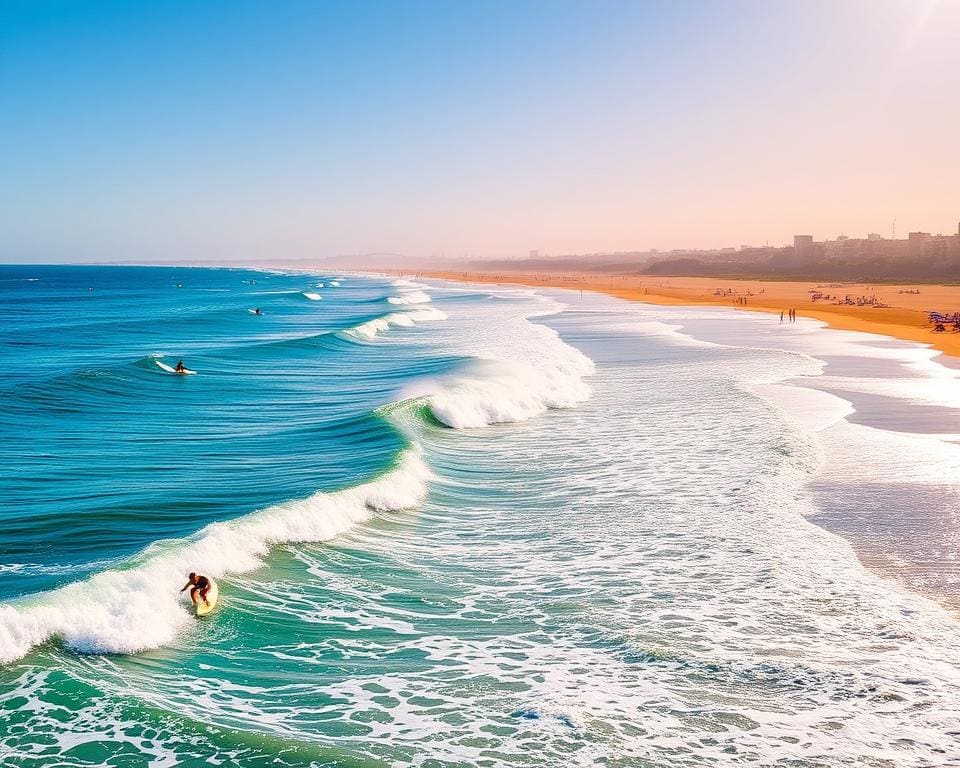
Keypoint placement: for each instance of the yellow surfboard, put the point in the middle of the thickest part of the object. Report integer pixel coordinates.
(213, 595)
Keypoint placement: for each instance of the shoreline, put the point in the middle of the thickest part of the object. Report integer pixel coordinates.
(903, 316)
(888, 562)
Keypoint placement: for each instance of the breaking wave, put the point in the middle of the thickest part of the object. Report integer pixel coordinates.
(409, 297)
(132, 610)
(377, 325)
(516, 370)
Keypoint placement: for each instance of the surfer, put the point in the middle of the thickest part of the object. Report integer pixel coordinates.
(257, 311)
(181, 368)
(200, 585)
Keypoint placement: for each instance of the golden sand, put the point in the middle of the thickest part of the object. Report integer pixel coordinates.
(904, 317)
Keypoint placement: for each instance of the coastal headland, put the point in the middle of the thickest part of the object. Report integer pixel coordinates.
(901, 311)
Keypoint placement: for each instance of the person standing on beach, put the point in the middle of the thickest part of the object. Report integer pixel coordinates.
(781, 316)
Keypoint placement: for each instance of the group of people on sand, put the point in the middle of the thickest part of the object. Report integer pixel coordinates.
(791, 316)
(942, 328)
(941, 321)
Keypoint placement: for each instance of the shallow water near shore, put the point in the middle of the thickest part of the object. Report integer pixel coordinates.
(517, 528)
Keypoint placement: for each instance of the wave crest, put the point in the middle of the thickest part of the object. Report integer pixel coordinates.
(410, 297)
(132, 610)
(377, 325)
(504, 392)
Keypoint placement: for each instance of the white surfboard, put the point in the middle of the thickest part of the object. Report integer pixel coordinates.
(168, 369)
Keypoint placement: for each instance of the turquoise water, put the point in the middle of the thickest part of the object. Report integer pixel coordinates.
(118, 454)
(452, 526)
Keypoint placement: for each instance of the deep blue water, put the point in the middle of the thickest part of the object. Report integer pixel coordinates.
(104, 452)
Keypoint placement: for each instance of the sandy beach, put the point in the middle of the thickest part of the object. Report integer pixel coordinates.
(903, 312)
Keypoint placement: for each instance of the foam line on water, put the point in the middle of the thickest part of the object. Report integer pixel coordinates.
(138, 608)
(377, 325)
(409, 297)
(521, 368)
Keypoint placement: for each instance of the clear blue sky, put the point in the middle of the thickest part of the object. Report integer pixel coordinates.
(256, 130)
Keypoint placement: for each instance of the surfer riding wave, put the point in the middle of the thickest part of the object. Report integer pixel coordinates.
(200, 586)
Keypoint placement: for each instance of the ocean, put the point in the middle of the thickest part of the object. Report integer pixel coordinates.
(463, 525)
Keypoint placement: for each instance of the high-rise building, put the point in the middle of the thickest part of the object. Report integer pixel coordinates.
(803, 250)
(916, 242)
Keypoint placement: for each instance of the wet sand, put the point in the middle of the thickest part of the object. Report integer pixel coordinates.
(904, 317)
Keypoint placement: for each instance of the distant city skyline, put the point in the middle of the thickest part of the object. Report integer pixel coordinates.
(534, 253)
(250, 132)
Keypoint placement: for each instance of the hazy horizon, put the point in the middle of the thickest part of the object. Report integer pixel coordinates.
(300, 131)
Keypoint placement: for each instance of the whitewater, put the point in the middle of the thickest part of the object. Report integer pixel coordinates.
(466, 525)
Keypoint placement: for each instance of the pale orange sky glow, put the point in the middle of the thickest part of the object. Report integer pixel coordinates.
(483, 130)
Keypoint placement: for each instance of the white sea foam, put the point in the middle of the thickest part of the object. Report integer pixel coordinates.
(51, 568)
(371, 328)
(139, 608)
(501, 391)
(312, 296)
(409, 297)
(521, 368)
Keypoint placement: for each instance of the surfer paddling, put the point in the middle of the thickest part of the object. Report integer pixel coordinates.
(199, 585)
